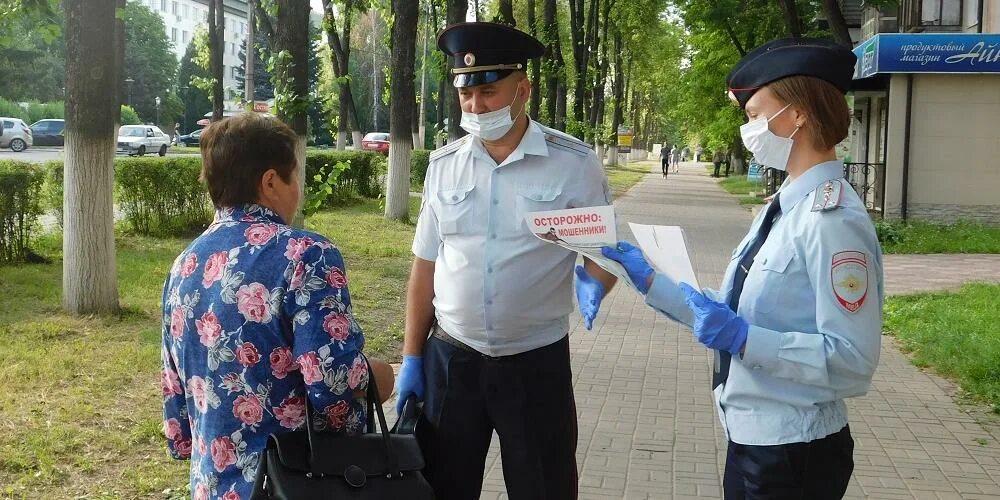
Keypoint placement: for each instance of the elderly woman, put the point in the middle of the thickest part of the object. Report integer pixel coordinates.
(797, 327)
(256, 317)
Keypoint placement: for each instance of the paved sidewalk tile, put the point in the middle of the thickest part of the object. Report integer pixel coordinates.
(648, 428)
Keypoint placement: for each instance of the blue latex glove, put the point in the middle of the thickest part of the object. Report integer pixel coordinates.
(589, 292)
(630, 257)
(715, 324)
(410, 380)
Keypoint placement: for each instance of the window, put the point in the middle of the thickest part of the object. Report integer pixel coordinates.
(173, 8)
(173, 35)
(234, 71)
(185, 11)
(185, 36)
(163, 5)
(941, 12)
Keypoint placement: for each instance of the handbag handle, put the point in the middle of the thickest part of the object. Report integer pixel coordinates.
(372, 403)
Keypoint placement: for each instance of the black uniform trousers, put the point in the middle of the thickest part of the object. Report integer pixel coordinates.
(664, 165)
(817, 470)
(527, 398)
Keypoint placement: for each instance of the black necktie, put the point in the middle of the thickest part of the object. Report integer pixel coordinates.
(724, 358)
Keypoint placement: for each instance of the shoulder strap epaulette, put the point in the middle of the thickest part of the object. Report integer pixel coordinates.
(566, 142)
(448, 149)
(828, 196)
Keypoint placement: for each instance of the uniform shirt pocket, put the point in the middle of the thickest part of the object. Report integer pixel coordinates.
(535, 198)
(774, 271)
(456, 209)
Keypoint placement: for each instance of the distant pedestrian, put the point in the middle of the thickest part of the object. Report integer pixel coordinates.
(717, 158)
(675, 158)
(698, 152)
(664, 160)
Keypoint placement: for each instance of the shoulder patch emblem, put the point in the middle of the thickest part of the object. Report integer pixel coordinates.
(448, 149)
(828, 196)
(849, 276)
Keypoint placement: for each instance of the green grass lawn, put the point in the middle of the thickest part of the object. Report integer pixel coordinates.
(925, 237)
(622, 178)
(80, 403)
(954, 333)
(739, 186)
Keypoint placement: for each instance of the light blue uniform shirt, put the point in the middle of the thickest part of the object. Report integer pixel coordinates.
(497, 287)
(813, 299)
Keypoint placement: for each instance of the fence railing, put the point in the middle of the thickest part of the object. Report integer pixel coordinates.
(865, 178)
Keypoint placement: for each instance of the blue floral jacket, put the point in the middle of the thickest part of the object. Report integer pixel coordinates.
(255, 314)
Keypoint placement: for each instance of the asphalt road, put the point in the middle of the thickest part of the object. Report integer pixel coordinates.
(41, 154)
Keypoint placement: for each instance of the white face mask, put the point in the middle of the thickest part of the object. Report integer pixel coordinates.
(769, 149)
(492, 125)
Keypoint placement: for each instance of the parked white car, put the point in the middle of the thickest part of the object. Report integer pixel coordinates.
(14, 134)
(141, 139)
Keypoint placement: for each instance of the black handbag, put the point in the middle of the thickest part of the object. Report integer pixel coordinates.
(306, 464)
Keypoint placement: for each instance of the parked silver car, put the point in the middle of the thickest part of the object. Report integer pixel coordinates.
(141, 139)
(15, 134)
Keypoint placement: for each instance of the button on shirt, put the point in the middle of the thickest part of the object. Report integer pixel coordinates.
(498, 288)
(813, 299)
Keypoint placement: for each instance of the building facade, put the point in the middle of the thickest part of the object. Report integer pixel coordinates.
(926, 132)
(182, 18)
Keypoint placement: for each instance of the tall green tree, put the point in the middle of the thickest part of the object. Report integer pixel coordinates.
(263, 89)
(194, 96)
(32, 57)
(149, 62)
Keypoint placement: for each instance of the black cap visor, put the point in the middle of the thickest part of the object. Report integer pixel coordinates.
(480, 78)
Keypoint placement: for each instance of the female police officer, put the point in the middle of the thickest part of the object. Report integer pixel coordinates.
(797, 326)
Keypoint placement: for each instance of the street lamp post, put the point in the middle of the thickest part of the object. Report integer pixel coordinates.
(128, 82)
(157, 100)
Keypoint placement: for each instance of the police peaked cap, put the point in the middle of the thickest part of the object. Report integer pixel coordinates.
(786, 57)
(487, 52)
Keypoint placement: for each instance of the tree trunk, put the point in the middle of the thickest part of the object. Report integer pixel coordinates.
(420, 139)
(505, 13)
(619, 95)
(578, 37)
(550, 32)
(838, 26)
(791, 16)
(291, 34)
(456, 14)
(93, 66)
(597, 105)
(340, 54)
(441, 105)
(401, 96)
(534, 66)
(216, 55)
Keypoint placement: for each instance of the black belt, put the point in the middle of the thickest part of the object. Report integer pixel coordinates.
(443, 336)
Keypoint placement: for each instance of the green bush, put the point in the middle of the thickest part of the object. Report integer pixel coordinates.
(129, 116)
(52, 189)
(162, 196)
(418, 166)
(360, 178)
(33, 111)
(889, 232)
(19, 207)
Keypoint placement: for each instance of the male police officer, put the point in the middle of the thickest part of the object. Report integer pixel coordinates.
(494, 297)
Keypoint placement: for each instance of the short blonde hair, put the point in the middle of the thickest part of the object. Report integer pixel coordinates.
(824, 105)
